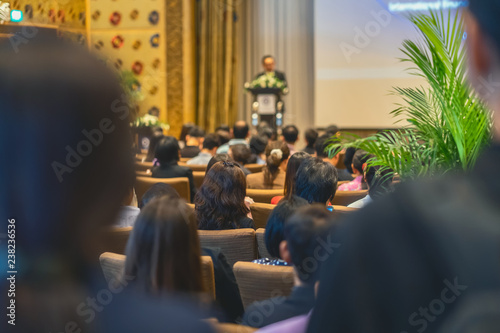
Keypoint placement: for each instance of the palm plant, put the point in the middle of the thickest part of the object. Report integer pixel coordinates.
(447, 125)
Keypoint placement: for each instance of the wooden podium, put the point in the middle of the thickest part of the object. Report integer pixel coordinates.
(267, 106)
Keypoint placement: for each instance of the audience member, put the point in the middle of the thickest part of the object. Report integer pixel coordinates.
(128, 212)
(156, 191)
(291, 174)
(218, 158)
(275, 227)
(305, 234)
(220, 201)
(331, 130)
(273, 174)
(210, 144)
(311, 136)
(240, 133)
(153, 142)
(184, 132)
(223, 136)
(194, 140)
(258, 144)
(321, 146)
(316, 181)
(290, 135)
(358, 160)
(241, 154)
(379, 182)
(348, 156)
(167, 154)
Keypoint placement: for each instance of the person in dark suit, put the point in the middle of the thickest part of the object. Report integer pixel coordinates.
(269, 69)
(167, 154)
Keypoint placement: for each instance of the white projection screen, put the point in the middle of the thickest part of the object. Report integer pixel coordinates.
(357, 51)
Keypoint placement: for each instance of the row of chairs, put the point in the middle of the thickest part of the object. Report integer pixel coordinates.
(145, 166)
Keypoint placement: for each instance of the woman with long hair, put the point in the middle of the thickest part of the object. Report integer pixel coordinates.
(291, 175)
(220, 201)
(273, 174)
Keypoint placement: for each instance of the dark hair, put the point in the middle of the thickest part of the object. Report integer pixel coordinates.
(276, 222)
(360, 157)
(241, 153)
(240, 130)
(274, 161)
(218, 158)
(185, 131)
(291, 172)
(196, 132)
(167, 150)
(305, 233)
(156, 191)
(220, 201)
(153, 143)
(223, 127)
(163, 251)
(211, 141)
(316, 181)
(311, 136)
(266, 56)
(322, 144)
(223, 136)
(331, 130)
(379, 180)
(258, 144)
(486, 14)
(290, 133)
(348, 156)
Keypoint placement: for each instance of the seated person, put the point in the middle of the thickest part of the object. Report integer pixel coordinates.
(305, 232)
(194, 140)
(275, 227)
(239, 133)
(291, 172)
(273, 174)
(167, 154)
(258, 144)
(184, 132)
(153, 142)
(128, 212)
(209, 147)
(360, 157)
(156, 191)
(290, 134)
(316, 181)
(348, 156)
(321, 146)
(220, 201)
(311, 136)
(379, 182)
(241, 154)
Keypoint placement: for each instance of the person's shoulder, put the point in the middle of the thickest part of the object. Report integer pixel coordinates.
(246, 222)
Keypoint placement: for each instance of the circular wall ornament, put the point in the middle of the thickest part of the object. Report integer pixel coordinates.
(137, 67)
(155, 40)
(115, 18)
(134, 14)
(117, 41)
(154, 17)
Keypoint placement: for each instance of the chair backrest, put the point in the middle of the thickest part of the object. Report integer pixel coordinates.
(143, 173)
(345, 198)
(343, 210)
(261, 243)
(143, 166)
(254, 167)
(260, 213)
(194, 167)
(181, 185)
(263, 196)
(259, 282)
(232, 328)
(184, 159)
(140, 157)
(113, 267)
(198, 177)
(115, 239)
(236, 244)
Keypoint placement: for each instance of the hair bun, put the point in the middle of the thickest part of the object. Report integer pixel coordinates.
(278, 153)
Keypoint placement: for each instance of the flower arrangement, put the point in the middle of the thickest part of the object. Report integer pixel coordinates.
(266, 81)
(149, 121)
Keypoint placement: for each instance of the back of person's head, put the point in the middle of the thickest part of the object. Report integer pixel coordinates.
(290, 134)
(276, 223)
(240, 130)
(348, 156)
(167, 150)
(156, 191)
(185, 131)
(305, 234)
(224, 136)
(223, 127)
(196, 132)
(331, 130)
(153, 143)
(321, 145)
(258, 144)
(241, 153)
(311, 136)
(218, 158)
(220, 200)
(267, 132)
(163, 252)
(360, 157)
(316, 181)
(276, 153)
(291, 171)
(211, 141)
(379, 180)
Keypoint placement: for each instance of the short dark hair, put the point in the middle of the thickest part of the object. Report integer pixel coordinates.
(241, 153)
(290, 133)
(240, 130)
(167, 150)
(321, 145)
(360, 157)
(185, 131)
(196, 132)
(348, 156)
(218, 158)
(153, 143)
(223, 127)
(258, 144)
(311, 136)
(305, 232)
(379, 180)
(211, 141)
(223, 136)
(316, 181)
(156, 191)
(266, 56)
(331, 130)
(276, 223)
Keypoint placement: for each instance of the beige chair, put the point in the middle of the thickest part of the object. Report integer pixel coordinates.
(115, 239)
(236, 244)
(260, 213)
(194, 167)
(254, 168)
(143, 166)
(261, 243)
(345, 198)
(198, 177)
(259, 282)
(140, 157)
(263, 196)
(184, 159)
(143, 173)
(181, 185)
(113, 267)
(232, 328)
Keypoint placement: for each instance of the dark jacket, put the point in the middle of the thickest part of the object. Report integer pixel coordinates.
(344, 175)
(172, 170)
(190, 151)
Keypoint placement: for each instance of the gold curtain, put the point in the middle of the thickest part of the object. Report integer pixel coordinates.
(217, 79)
